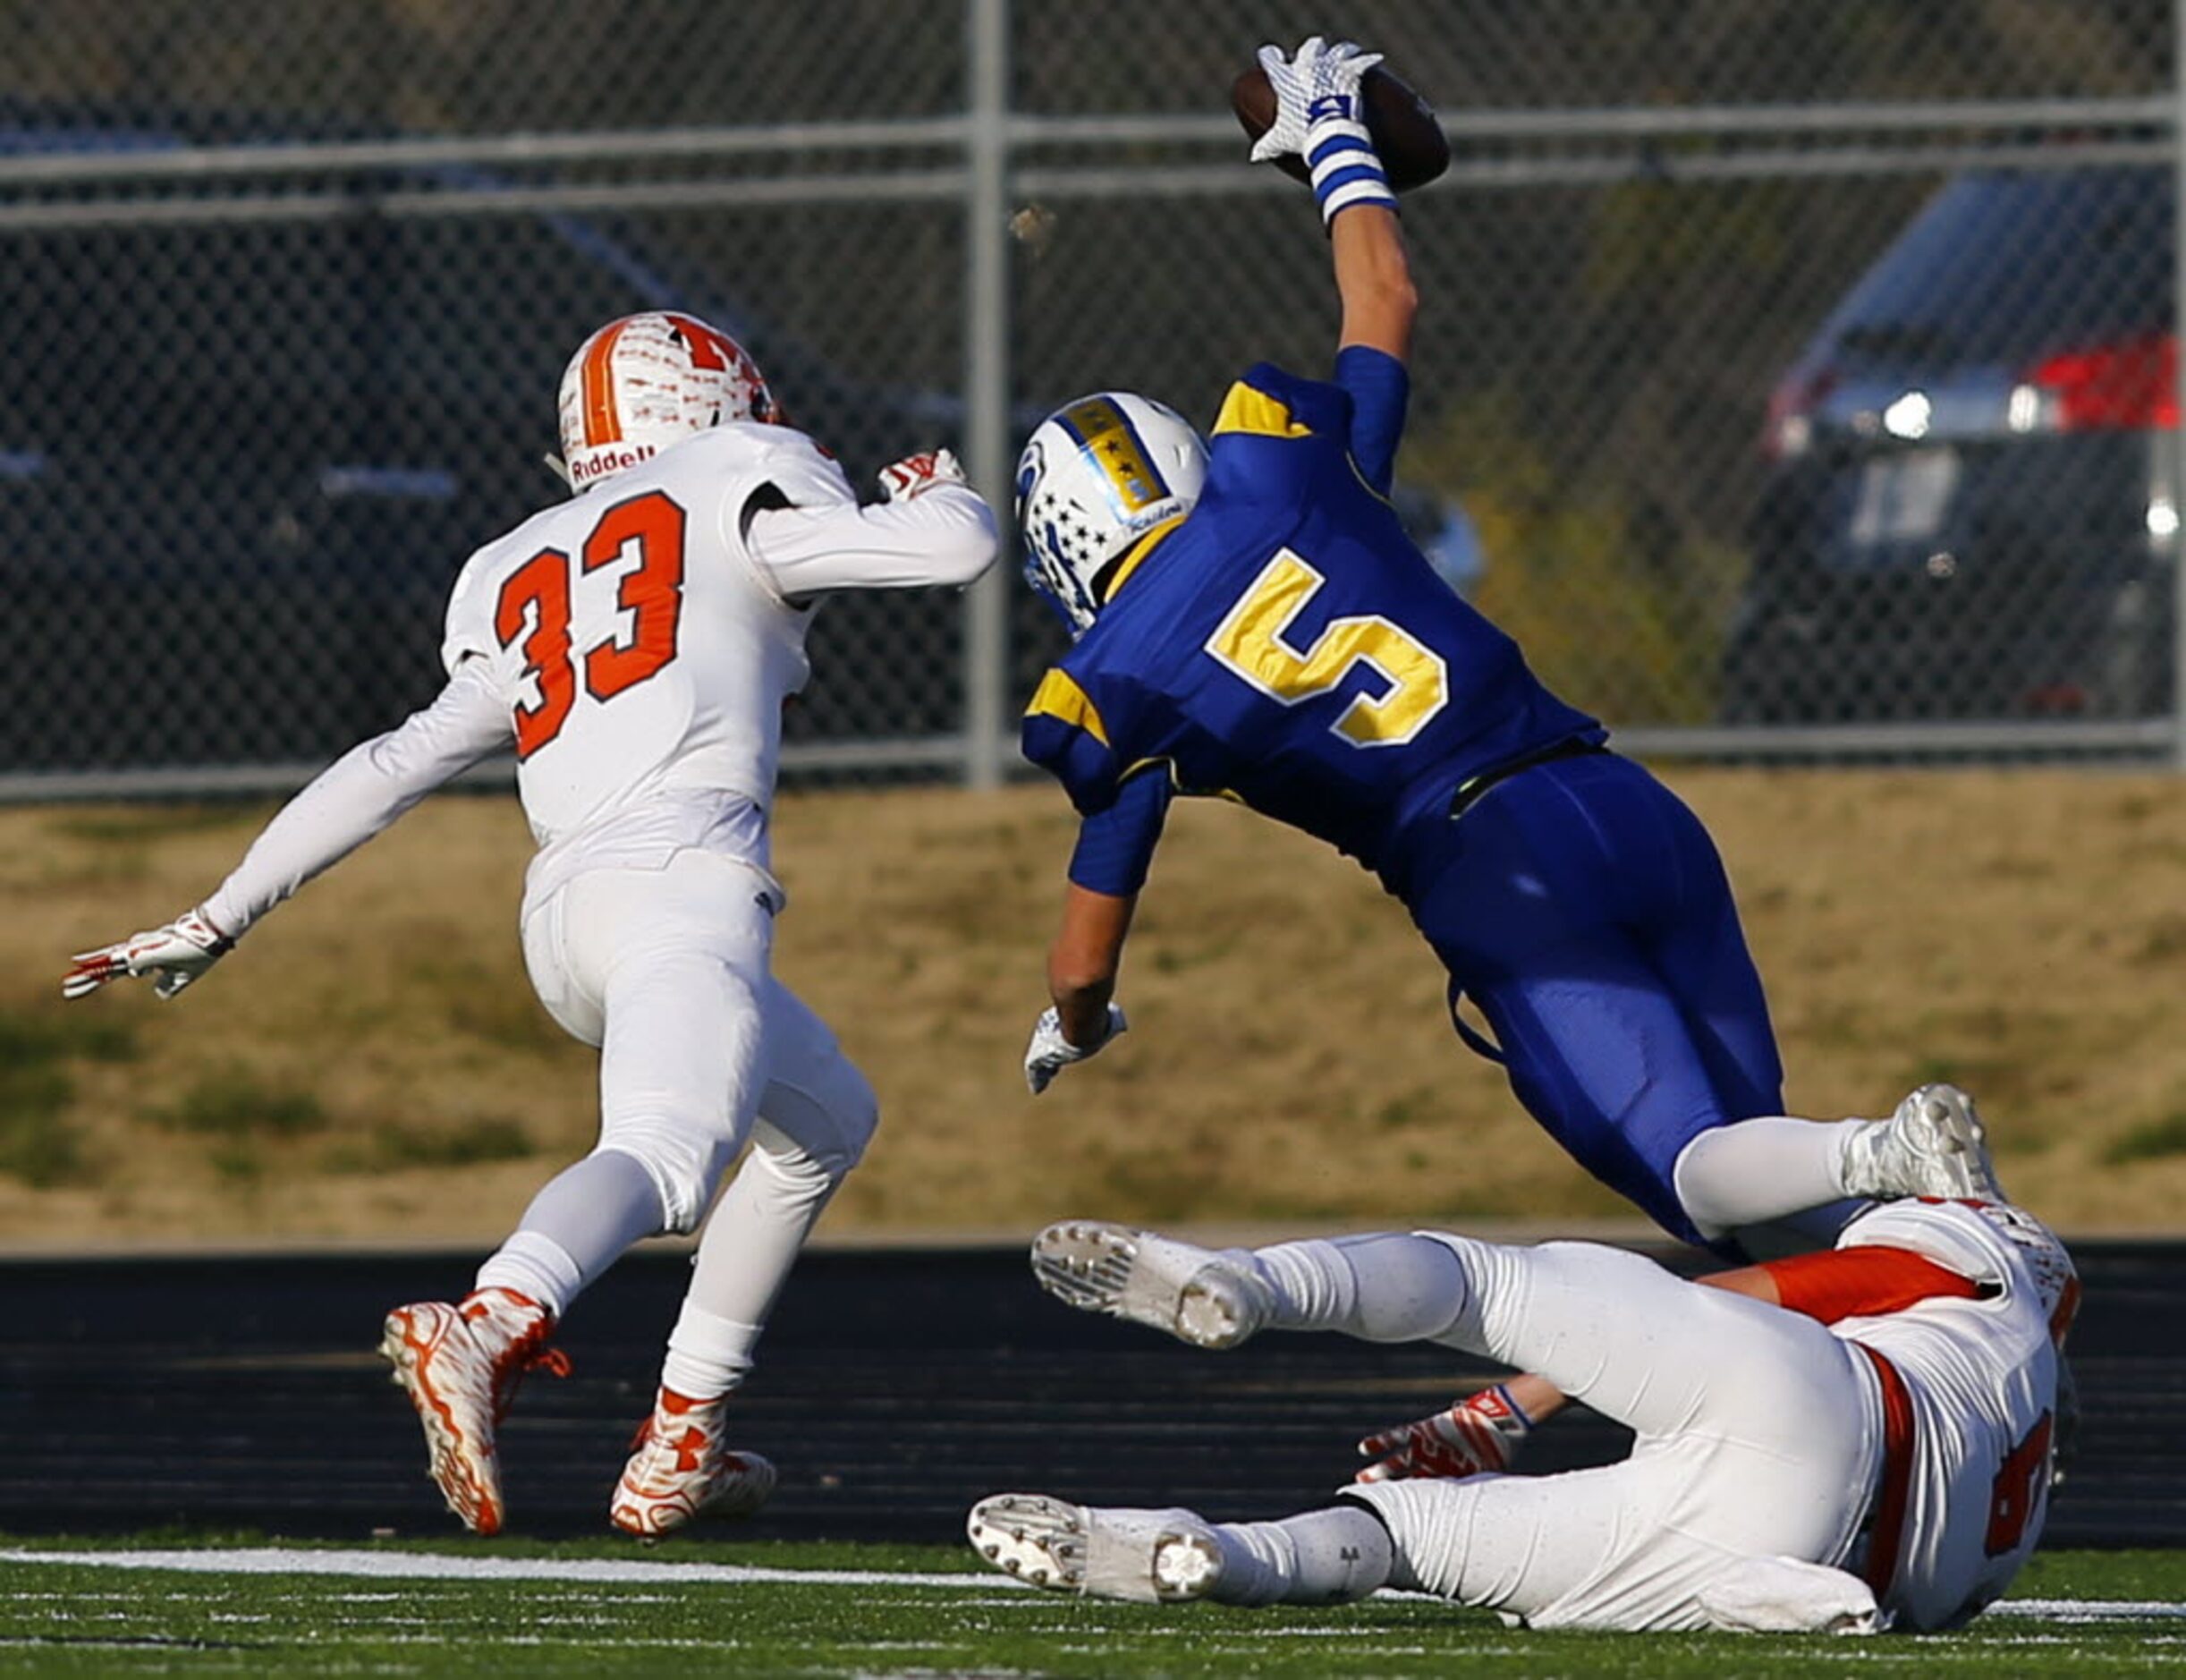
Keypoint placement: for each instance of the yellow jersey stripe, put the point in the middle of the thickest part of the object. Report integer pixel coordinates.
(1247, 409)
(1059, 697)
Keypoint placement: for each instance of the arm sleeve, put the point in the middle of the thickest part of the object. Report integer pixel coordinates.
(1116, 846)
(1862, 1282)
(946, 535)
(361, 794)
(1380, 387)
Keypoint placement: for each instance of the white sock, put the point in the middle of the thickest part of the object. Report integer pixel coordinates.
(707, 1355)
(1761, 1169)
(575, 1228)
(1329, 1556)
(1383, 1288)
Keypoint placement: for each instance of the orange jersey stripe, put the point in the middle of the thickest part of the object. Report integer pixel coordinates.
(1862, 1282)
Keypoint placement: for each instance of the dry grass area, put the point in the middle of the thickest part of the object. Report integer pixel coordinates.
(370, 1064)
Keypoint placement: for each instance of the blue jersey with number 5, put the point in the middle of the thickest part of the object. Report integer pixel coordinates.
(1285, 644)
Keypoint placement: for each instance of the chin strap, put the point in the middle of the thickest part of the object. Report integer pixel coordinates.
(555, 465)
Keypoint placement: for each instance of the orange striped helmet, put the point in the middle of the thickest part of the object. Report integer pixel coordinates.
(645, 381)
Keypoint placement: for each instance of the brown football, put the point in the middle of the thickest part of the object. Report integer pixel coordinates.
(1407, 133)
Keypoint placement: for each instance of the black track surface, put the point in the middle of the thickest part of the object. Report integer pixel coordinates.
(894, 1390)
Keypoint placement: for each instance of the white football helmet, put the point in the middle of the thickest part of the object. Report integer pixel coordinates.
(1094, 476)
(645, 381)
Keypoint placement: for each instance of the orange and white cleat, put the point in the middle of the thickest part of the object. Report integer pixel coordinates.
(679, 1469)
(460, 1365)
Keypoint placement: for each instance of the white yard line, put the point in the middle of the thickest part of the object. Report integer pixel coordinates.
(277, 1560)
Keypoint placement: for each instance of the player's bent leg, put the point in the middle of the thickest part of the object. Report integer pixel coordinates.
(817, 1114)
(584, 1220)
(1210, 1299)
(460, 1364)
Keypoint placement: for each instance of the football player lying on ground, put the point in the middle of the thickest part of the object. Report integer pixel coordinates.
(1844, 1441)
(1251, 619)
(635, 648)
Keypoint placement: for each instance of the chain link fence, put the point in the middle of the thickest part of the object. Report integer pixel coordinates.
(1792, 379)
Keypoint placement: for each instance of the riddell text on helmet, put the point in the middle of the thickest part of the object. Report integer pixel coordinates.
(601, 462)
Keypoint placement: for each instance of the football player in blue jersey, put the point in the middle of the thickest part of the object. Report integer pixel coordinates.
(1251, 619)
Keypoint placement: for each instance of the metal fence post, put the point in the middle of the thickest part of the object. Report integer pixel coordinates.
(987, 371)
(2178, 336)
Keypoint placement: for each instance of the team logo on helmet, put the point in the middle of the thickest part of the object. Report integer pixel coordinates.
(646, 381)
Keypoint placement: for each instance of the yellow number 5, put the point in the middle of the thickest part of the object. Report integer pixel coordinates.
(1248, 642)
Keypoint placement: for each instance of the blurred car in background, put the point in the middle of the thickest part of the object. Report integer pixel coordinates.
(1970, 511)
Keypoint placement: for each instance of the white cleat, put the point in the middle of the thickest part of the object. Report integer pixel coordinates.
(1197, 1294)
(1934, 1145)
(459, 1364)
(678, 1469)
(1161, 1557)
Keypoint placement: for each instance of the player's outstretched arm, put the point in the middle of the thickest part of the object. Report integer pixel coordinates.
(1081, 970)
(1374, 281)
(349, 802)
(932, 530)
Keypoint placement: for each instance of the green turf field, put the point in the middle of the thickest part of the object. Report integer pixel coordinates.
(599, 1609)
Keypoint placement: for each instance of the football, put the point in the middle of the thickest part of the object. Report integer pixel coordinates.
(1407, 133)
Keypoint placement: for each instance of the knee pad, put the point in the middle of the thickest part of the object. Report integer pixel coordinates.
(685, 1162)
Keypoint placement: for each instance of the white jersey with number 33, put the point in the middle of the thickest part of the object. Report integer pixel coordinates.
(642, 649)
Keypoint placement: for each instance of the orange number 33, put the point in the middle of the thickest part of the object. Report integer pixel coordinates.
(534, 608)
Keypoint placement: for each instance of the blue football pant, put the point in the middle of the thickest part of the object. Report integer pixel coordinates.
(1583, 908)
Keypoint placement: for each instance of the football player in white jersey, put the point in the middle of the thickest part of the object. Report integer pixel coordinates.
(634, 647)
(1844, 1441)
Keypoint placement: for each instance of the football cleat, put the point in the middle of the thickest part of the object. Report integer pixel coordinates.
(1934, 1145)
(460, 1365)
(679, 1469)
(1146, 1557)
(1197, 1294)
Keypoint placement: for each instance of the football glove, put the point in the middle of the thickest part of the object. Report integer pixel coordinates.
(1049, 1053)
(174, 955)
(1480, 1433)
(914, 475)
(1318, 83)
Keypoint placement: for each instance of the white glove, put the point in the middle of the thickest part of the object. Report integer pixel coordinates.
(914, 475)
(1316, 84)
(177, 954)
(1049, 1053)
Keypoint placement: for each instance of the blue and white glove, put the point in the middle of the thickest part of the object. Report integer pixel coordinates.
(1049, 1053)
(1318, 117)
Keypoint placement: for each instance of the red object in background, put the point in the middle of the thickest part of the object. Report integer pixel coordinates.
(2129, 385)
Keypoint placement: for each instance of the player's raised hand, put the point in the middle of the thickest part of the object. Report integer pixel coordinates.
(1317, 83)
(914, 475)
(1480, 1433)
(1049, 1053)
(174, 955)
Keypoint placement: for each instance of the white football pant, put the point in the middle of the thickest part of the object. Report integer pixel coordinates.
(665, 970)
(1760, 1433)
